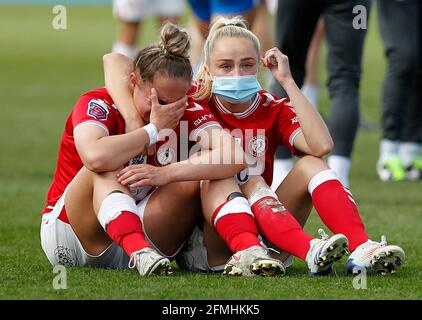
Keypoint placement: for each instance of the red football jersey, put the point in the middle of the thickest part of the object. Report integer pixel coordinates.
(267, 123)
(96, 107)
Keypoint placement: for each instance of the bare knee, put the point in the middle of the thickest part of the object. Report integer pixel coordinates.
(253, 184)
(309, 166)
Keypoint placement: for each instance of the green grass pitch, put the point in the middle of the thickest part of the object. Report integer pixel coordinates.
(42, 73)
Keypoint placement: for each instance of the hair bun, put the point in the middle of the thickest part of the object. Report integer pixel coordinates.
(174, 41)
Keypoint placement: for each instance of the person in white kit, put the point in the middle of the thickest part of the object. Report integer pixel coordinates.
(130, 15)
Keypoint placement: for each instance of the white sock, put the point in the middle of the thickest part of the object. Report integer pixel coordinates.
(311, 92)
(388, 149)
(260, 193)
(408, 151)
(113, 205)
(282, 168)
(341, 166)
(124, 49)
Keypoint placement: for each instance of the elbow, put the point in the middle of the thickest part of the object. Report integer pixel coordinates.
(95, 163)
(110, 57)
(239, 168)
(107, 57)
(324, 149)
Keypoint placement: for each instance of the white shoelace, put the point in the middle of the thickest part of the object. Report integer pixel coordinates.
(132, 261)
(323, 235)
(383, 242)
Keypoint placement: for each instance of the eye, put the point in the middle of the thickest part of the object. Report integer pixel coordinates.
(225, 67)
(248, 65)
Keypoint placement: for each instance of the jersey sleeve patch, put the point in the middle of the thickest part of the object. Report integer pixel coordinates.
(98, 109)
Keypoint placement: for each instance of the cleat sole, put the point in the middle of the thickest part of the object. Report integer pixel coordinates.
(387, 261)
(333, 251)
(161, 268)
(232, 271)
(267, 268)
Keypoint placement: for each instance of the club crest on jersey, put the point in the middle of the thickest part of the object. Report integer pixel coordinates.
(98, 109)
(166, 156)
(258, 145)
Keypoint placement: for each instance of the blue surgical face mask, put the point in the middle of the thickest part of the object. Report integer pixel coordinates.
(237, 89)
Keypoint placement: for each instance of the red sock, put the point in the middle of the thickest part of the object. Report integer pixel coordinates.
(337, 209)
(126, 231)
(234, 222)
(277, 225)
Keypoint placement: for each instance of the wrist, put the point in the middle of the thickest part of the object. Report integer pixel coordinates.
(169, 172)
(152, 132)
(287, 82)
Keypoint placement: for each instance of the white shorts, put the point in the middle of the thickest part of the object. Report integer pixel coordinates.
(136, 10)
(193, 257)
(62, 246)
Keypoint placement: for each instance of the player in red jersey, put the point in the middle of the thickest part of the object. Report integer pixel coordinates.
(91, 217)
(260, 121)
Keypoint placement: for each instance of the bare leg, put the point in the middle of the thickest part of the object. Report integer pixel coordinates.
(203, 27)
(171, 214)
(217, 250)
(197, 43)
(239, 231)
(83, 199)
(293, 191)
(261, 26)
(128, 32)
(213, 194)
(313, 54)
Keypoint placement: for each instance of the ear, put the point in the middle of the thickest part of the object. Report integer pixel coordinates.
(133, 80)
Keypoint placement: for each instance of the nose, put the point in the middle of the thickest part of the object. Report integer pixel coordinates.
(237, 71)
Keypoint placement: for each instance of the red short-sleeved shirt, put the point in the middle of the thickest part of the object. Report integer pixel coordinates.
(96, 108)
(267, 123)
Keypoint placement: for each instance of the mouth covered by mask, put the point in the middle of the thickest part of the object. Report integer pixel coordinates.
(237, 89)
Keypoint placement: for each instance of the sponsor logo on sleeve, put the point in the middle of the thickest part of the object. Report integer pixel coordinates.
(98, 109)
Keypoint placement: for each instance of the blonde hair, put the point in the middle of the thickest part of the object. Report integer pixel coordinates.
(170, 55)
(222, 28)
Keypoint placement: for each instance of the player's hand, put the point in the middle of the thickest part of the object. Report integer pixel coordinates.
(166, 116)
(278, 64)
(139, 175)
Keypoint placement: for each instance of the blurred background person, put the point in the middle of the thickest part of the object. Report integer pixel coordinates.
(311, 87)
(283, 162)
(296, 23)
(130, 15)
(401, 30)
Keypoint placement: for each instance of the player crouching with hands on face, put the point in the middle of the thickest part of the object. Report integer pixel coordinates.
(98, 214)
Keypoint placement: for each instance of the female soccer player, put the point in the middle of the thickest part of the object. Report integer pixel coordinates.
(260, 122)
(91, 217)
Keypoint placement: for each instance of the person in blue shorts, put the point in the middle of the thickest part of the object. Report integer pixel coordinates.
(205, 12)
